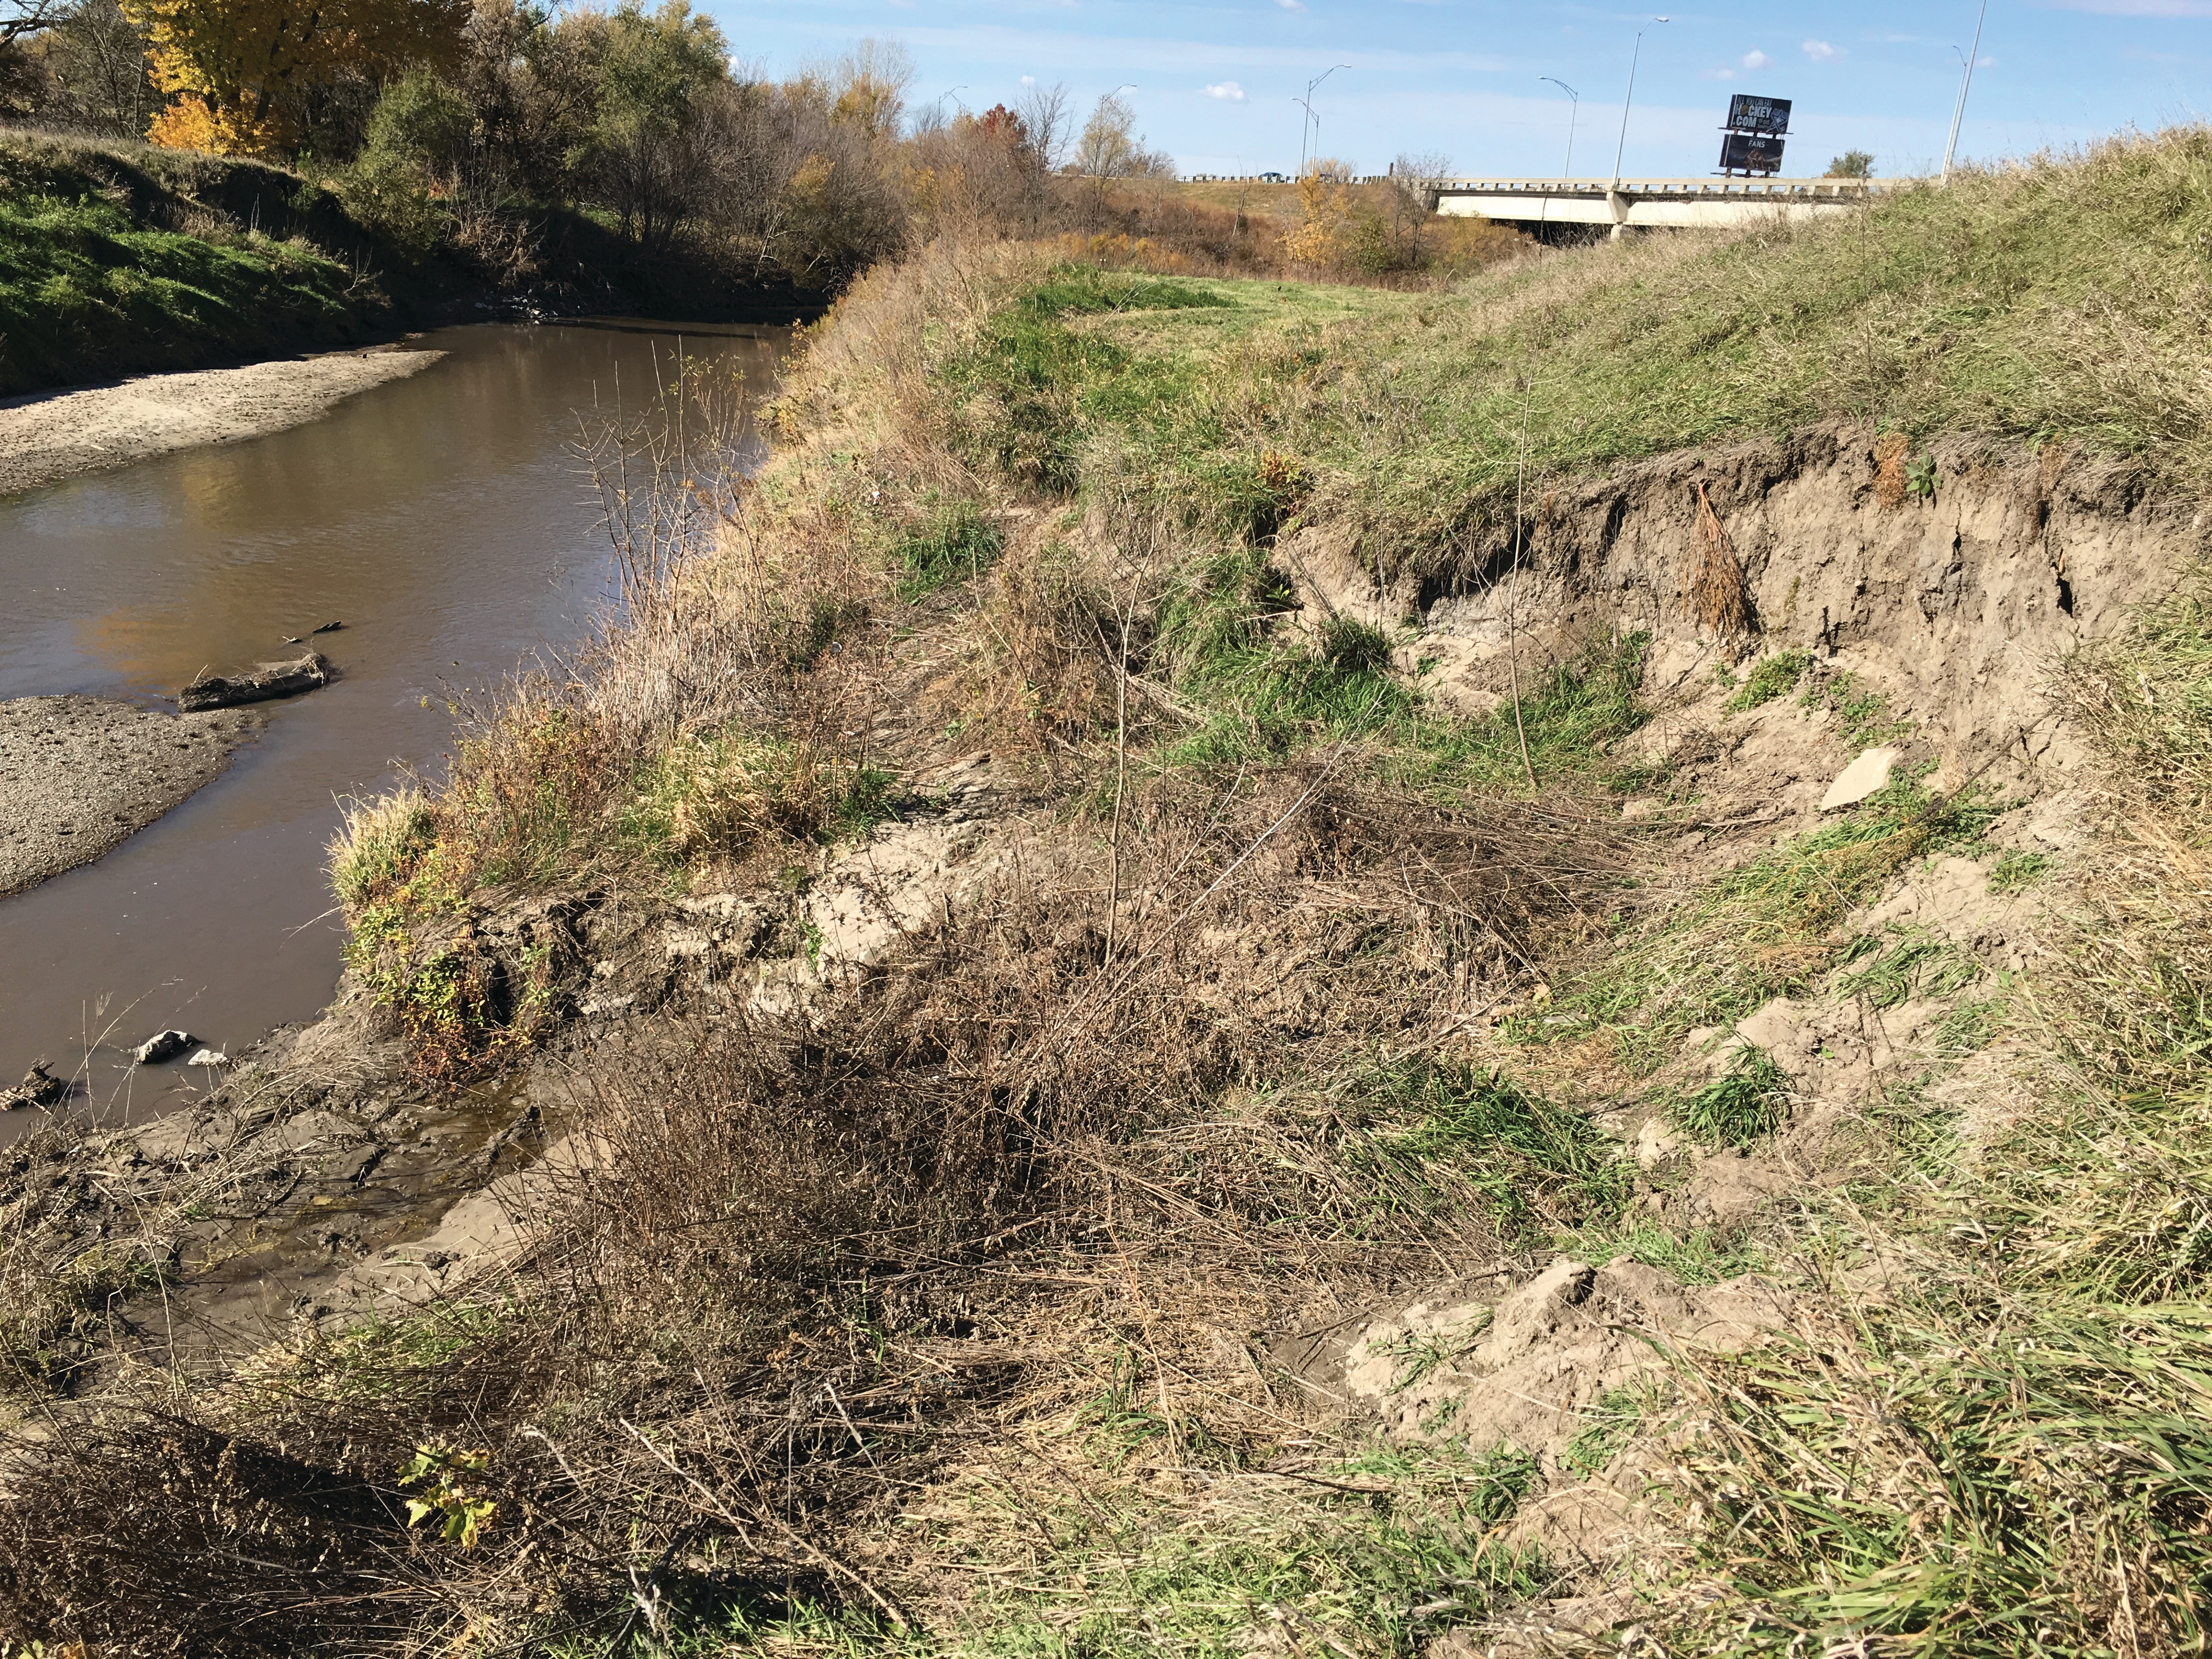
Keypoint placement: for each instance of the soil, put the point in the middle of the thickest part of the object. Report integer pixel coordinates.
(349, 1185)
(46, 436)
(78, 775)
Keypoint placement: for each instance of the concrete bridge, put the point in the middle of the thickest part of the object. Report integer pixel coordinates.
(1636, 203)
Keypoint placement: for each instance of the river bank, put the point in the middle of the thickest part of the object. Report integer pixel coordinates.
(1212, 982)
(436, 515)
(45, 436)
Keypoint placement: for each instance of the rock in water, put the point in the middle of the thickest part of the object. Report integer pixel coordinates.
(268, 679)
(330, 628)
(209, 1057)
(162, 1045)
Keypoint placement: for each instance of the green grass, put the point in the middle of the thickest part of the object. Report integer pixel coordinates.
(84, 294)
(118, 259)
(2053, 299)
(1535, 1167)
(1886, 969)
(954, 541)
(1766, 929)
(2017, 869)
(2069, 1475)
(1607, 1428)
(1383, 1553)
(1700, 1256)
(1746, 1104)
(1769, 678)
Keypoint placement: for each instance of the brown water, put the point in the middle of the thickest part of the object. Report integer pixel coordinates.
(444, 519)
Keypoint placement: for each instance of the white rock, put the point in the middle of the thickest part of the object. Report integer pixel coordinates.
(1655, 1144)
(162, 1045)
(209, 1057)
(1862, 778)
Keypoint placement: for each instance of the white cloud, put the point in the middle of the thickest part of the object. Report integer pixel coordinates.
(1757, 60)
(1292, 5)
(1228, 91)
(1029, 80)
(1716, 75)
(1821, 53)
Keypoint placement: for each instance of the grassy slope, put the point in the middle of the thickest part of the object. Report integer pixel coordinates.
(120, 259)
(116, 261)
(2007, 1453)
(2058, 302)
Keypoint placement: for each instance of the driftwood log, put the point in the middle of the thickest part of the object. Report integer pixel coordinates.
(267, 680)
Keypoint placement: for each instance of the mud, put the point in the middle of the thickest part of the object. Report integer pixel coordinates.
(45, 436)
(80, 775)
(322, 1180)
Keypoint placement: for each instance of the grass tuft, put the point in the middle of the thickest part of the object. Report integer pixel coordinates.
(1769, 677)
(1746, 1104)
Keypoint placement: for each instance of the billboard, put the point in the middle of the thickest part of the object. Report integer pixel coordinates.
(1750, 114)
(1750, 152)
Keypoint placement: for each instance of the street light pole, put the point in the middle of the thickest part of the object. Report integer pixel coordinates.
(1634, 59)
(1958, 114)
(1311, 119)
(1575, 109)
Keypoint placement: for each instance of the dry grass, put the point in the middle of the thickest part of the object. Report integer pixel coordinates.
(817, 1262)
(1718, 595)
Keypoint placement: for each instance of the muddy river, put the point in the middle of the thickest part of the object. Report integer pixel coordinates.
(446, 519)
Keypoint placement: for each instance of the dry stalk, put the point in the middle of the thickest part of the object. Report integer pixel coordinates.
(1718, 596)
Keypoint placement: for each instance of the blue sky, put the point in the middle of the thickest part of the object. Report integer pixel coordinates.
(1214, 82)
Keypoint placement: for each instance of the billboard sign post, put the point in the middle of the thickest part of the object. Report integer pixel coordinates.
(1755, 129)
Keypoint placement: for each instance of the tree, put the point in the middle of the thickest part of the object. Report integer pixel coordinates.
(95, 63)
(869, 86)
(1044, 117)
(654, 74)
(416, 138)
(1851, 164)
(1110, 148)
(19, 18)
(242, 75)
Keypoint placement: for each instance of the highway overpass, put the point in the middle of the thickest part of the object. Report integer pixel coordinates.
(1640, 204)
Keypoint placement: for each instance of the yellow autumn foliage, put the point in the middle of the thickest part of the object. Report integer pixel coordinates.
(238, 72)
(1325, 202)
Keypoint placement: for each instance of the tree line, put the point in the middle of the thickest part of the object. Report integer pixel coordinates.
(457, 125)
(464, 129)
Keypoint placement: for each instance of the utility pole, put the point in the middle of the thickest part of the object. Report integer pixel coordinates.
(1634, 59)
(1958, 114)
(1574, 109)
(1311, 120)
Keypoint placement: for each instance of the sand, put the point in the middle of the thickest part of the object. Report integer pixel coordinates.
(79, 775)
(45, 436)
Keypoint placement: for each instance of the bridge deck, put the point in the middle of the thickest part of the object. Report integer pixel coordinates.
(1654, 202)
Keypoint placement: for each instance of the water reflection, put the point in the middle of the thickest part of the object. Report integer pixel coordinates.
(443, 519)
